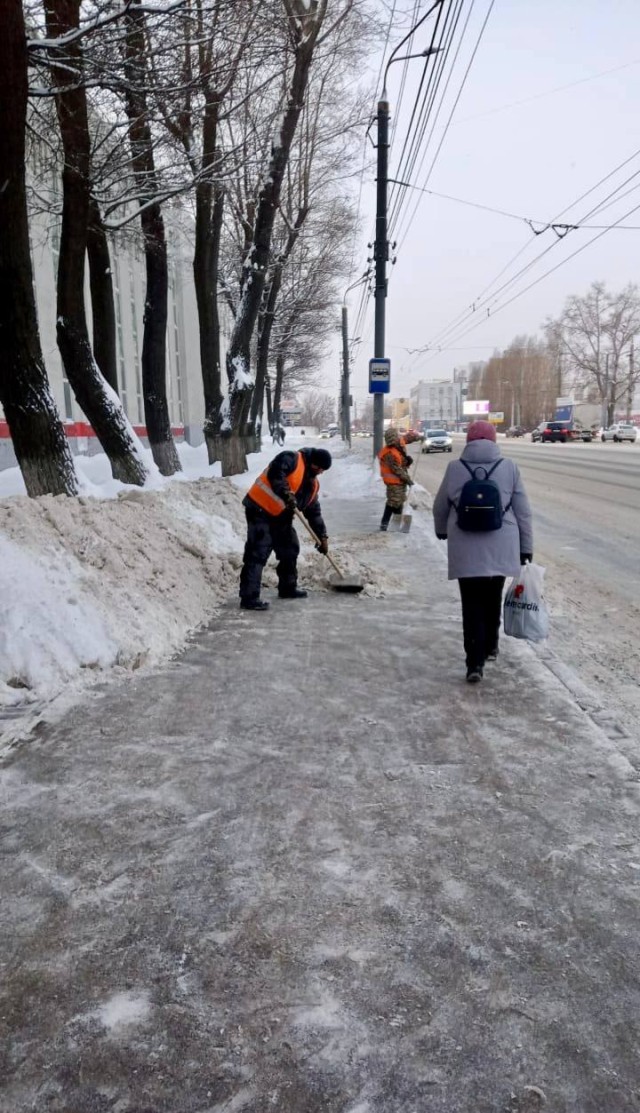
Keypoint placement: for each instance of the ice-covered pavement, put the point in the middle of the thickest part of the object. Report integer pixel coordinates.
(304, 866)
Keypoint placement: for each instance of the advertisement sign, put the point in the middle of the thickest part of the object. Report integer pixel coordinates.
(379, 376)
(475, 408)
(496, 418)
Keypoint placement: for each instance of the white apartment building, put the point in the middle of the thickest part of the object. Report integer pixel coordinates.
(436, 401)
(184, 380)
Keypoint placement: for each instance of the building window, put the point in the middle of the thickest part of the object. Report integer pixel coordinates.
(122, 378)
(176, 348)
(136, 345)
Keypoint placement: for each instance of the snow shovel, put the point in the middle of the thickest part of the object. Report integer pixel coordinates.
(340, 582)
(407, 515)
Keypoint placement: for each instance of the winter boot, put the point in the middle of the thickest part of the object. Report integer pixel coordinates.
(386, 518)
(474, 675)
(293, 593)
(254, 605)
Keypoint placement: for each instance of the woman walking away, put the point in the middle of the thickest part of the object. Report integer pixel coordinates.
(482, 510)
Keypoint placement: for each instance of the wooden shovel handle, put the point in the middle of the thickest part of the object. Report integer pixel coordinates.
(309, 530)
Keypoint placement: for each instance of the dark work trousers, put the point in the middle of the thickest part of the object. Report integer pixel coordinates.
(387, 512)
(265, 535)
(481, 608)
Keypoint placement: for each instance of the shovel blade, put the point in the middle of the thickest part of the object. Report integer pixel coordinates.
(349, 584)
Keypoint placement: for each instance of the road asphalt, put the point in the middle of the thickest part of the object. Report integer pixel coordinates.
(305, 867)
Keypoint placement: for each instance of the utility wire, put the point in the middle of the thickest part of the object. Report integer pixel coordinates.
(551, 270)
(428, 112)
(364, 144)
(411, 138)
(523, 270)
(548, 93)
(448, 124)
(482, 298)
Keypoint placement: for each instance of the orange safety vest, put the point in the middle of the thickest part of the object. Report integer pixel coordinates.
(263, 494)
(388, 476)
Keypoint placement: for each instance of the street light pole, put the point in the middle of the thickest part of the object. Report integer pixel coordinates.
(381, 243)
(381, 254)
(507, 382)
(345, 390)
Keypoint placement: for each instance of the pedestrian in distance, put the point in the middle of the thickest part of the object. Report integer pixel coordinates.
(291, 481)
(480, 557)
(394, 469)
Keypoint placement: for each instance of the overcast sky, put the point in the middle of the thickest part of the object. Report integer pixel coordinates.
(518, 142)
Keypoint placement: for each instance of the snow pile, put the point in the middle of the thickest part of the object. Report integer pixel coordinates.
(90, 583)
(119, 577)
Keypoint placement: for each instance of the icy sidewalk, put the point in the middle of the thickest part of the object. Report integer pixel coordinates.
(307, 868)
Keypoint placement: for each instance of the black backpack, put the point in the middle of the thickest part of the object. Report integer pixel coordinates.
(480, 506)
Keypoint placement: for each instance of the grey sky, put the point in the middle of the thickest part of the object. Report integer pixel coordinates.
(531, 159)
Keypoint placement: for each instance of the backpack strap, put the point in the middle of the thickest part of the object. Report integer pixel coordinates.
(487, 474)
(508, 506)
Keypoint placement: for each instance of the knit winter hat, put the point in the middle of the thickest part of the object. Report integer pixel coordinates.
(391, 436)
(481, 431)
(321, 458)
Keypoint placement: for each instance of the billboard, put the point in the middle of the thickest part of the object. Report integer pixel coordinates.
(475, 408)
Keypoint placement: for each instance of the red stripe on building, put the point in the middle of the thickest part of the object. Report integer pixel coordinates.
(83, 429)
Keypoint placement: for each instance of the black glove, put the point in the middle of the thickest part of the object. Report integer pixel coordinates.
(323, 545)
(441, 536)
(408, 460)
(290, 500)
(526, 558)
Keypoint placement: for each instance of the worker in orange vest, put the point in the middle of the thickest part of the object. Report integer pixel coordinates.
(291, 480)
(394, 469)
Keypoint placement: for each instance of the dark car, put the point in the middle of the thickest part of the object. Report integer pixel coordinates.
(561, 431)
(515, 431)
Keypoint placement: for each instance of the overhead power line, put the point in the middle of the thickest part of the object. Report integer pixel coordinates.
(451, 114)
(484, 297)
(546, 274)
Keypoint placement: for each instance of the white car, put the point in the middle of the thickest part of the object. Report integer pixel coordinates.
(621, 431)
(436, 440)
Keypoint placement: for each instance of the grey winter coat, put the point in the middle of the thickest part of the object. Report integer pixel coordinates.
(497, 552)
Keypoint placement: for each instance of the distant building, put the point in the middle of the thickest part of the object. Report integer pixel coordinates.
(436, 402)
(400, 413)
(184, 378)
(290, 413)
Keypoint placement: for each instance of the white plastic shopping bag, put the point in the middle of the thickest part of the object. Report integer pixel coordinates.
(525, 611)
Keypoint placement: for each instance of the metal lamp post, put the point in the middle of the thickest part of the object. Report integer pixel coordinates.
(345, 393)
(381, 245)
(505, 382)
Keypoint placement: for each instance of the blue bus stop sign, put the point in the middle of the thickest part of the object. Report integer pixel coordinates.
(379, 376)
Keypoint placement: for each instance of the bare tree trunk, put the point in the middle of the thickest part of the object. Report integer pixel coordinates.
(267, 387)
(154, 343)
(94, 396)
(266, 321)
(257, 258)
(205, 273)
(39, 442)
(102, 307)
(277, 393)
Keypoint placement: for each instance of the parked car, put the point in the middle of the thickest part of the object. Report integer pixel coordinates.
(561, 431)
(515, 431)
(436, 440)
(621, 431)
(536, 434)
